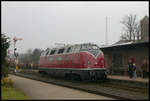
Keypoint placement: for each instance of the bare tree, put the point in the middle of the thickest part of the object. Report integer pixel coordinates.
(131, 28)
(35, 55)
(30, 57)
(26, 58)
(138, 31)
(125, 36)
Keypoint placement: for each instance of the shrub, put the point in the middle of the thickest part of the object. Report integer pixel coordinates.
(5, 43)
(7, 82)
(4, 71)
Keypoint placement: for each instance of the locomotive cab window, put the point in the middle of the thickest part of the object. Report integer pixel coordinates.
(84, 47)
(89, 47)
(52, 52)
(73, 48)
(77, 49)
(94, 47)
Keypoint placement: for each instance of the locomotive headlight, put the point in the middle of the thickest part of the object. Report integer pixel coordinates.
(102, 61)
(88, 62)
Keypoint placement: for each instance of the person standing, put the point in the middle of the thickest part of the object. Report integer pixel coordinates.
(134, 70)
(147, 69)
(130, 66)
(132, 59)
(26, 66)
(31, 66)
(144, 69)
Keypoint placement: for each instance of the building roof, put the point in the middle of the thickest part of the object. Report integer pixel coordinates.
(131, 43)
(145, 18)
(121, 41)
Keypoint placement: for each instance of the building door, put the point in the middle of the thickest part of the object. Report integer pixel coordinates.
(117, 59)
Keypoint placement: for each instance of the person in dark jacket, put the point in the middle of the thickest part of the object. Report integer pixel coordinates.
(130, 66)
(145, 69)
(134, 70)
(27, 66)
(132, 59)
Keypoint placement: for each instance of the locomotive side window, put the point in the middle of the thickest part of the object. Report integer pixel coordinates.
(52, 52)
(47, 52)
(61, 51)
(68, 50)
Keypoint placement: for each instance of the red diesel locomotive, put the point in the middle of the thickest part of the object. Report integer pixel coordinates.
(80, 61)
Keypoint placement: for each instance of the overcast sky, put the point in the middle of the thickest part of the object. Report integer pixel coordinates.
(42, 24)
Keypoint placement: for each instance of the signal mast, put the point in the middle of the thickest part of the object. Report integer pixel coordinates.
(15, 54)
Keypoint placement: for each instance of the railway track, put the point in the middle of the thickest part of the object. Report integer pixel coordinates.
(110, 89)
(125, 87)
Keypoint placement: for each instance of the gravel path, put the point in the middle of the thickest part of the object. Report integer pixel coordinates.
(39, 90)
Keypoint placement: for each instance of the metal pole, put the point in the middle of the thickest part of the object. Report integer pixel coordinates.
(106, 36)
(15, 55)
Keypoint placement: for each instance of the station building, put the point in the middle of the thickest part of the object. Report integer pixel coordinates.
(120, 52)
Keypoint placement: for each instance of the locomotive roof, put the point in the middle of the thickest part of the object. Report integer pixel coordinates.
(69, 46)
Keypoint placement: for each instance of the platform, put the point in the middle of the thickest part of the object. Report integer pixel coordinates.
(144, 82)
(138, 79)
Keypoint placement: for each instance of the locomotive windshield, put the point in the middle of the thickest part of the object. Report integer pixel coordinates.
(89, 47)
(94, 49)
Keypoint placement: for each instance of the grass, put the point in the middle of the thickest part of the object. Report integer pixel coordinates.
(8, 93)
